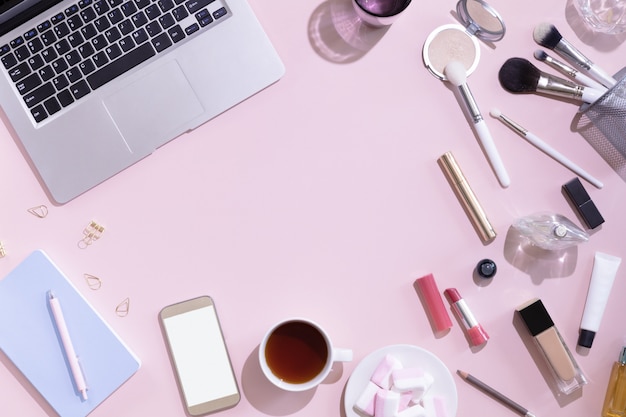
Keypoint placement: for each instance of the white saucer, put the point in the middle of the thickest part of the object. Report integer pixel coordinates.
(410, 356)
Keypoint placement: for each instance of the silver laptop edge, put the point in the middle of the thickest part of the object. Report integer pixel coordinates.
(127, 119)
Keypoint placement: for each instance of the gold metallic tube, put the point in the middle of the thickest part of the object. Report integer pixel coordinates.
(466, 197)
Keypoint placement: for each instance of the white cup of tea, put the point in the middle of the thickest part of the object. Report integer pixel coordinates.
(379, 12)
(296, 354)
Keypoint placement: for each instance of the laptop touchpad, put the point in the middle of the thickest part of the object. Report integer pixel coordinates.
(155, 108)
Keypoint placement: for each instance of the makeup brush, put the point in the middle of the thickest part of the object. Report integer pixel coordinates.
(565, 69)
(456, 74)
(544, 147)
(548, 36)
(518, 75)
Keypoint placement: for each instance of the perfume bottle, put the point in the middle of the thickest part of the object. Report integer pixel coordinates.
(615, 400)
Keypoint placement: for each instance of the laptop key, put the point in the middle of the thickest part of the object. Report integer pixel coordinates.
(142, 3)
(19, 72)
(80, 89)
(161, 42)
(46, 73)
(60, 65)
(72, 58)
(29, 83)
(140, 36)
(8, 60)
(126, 27)
(73, 74)
(52, 105)
(113, 51)
(101, 7)
(65, 98)
(192, 29)
(22, 53)
(127, 44)
(194, 5)
(176, 33)
(48, 38)
(121, 65)
(39, 94)
(60, 82)
(62, 30)
(221, 12)
(62, 47)
(35, 62)
(39, 113)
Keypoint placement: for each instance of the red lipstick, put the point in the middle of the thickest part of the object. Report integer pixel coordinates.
(475, 332)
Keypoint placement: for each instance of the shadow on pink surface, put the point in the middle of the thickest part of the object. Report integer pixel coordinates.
(271, 400)
(338, 35)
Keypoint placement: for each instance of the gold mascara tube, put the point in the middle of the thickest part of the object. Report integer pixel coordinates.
(466, 197)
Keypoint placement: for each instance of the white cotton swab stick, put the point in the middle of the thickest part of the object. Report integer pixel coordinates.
(547, 149)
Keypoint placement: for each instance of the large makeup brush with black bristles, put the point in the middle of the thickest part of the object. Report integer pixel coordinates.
(518, 75)
(548, 36)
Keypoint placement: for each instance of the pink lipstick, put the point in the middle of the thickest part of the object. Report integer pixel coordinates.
(474, 331)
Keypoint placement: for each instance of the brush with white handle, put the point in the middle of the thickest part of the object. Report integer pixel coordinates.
(456, 74)
(565, 69)
(548, 36)
(544, 147)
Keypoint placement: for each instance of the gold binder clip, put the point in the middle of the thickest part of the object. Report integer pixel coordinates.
(39, 211)
(2, 251)
(122, 308)
(93, 282)
(92, 233)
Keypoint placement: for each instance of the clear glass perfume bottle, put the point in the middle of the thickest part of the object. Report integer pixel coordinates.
(615, 400)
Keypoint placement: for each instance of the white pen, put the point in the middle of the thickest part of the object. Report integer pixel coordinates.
(547, 149)
(68, 347)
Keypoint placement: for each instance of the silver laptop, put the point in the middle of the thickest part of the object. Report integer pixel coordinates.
(90, 87)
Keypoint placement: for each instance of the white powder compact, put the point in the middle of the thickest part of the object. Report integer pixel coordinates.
(455, 42)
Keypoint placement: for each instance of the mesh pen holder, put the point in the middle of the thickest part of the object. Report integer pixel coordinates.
(603, 125)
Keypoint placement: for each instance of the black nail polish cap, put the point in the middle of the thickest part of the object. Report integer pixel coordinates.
(583, 204)
(486, 268)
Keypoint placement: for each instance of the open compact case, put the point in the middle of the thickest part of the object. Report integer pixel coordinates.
(459, 42)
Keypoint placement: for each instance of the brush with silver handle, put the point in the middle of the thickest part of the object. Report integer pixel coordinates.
(548, 36)
(518, 75)
(567, 70)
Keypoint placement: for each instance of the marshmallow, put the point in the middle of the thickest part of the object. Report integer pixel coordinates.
(382, 373)
(408, 379)
(386, 403)
(435, 406)
(413, 411)
(365, 402)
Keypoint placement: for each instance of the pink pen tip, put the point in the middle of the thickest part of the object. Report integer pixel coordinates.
(453, 295)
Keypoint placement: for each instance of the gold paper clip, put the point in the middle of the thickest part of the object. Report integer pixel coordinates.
(93, 282)
(123, 308)
(2, 251)
(39, 211)
(92, 233)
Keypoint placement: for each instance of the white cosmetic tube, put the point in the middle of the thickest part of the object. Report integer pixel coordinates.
(602, 278)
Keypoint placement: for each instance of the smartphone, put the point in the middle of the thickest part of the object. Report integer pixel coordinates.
(199, 356)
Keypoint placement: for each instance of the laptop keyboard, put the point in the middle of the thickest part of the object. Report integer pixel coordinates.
(92, 42)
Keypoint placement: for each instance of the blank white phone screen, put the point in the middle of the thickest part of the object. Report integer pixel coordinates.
(200, 356)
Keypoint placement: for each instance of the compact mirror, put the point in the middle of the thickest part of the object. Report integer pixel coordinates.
(455, 42)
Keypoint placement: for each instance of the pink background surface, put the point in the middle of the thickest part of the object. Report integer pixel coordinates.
(321, 197)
